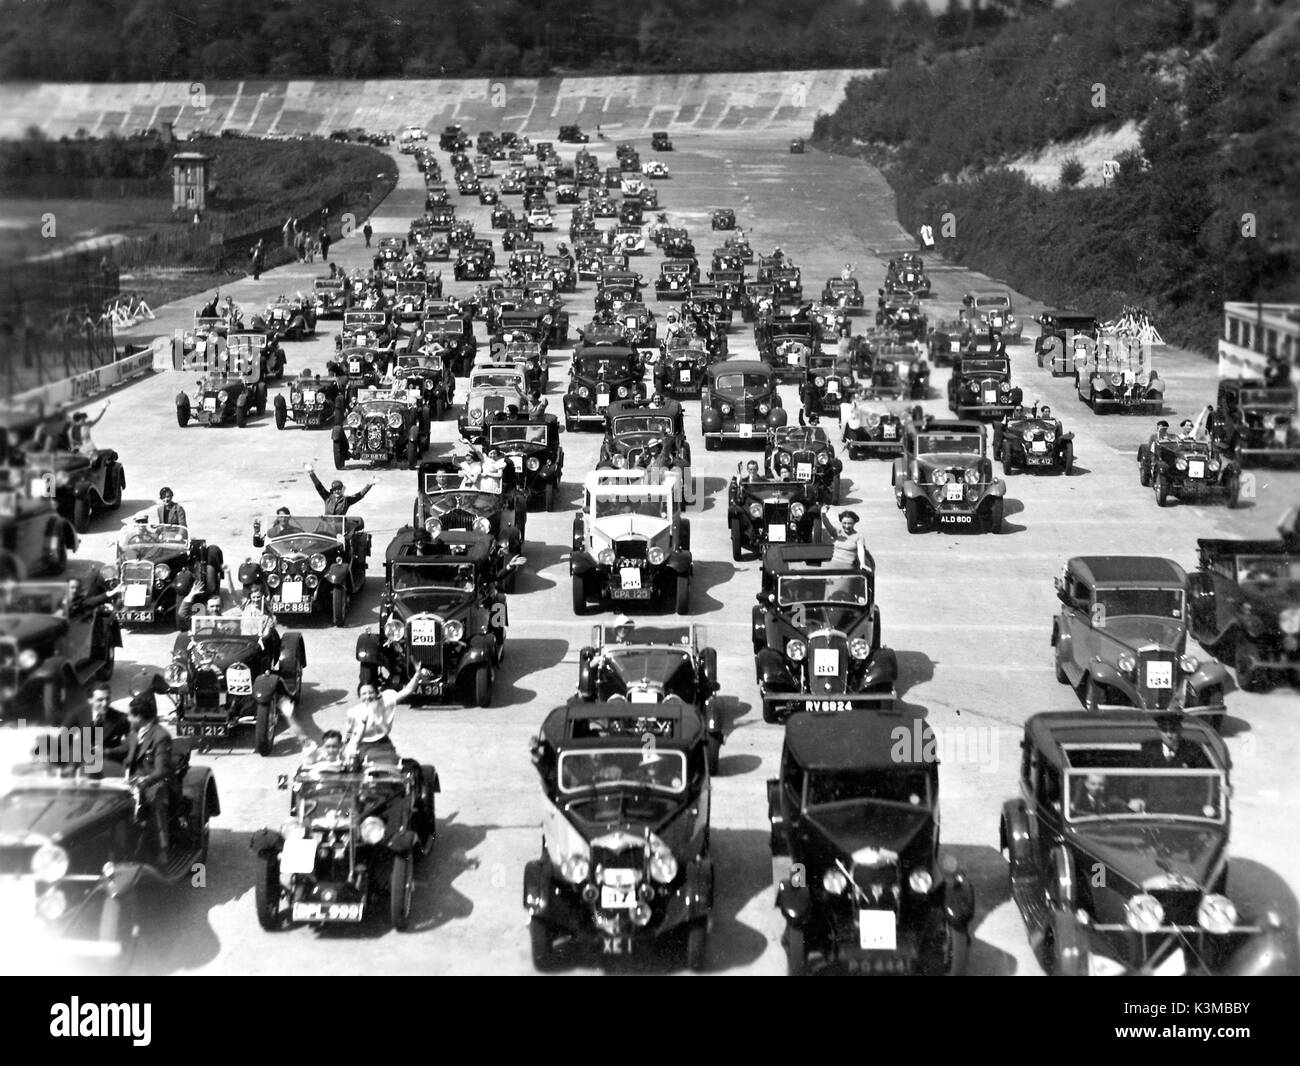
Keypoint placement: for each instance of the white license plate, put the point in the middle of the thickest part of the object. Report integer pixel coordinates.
(990, 396)
(209, 403)
(291, 591)
(1038, 445)
(826, 662)
(888, 431)
(291, 606)
(952, 492)
(423, 634)
(1160, 675)
(354, 367)
(602, 399)
(1196, 469)
(298, 856)
(877, 930)
(327, 912)
(683, 375)
(833, 386)
(617, 897)
(1279, 435)
(135, 595)
(776, 533)
(629, 577)
(803, 471)
(745, 429)
(639, 695)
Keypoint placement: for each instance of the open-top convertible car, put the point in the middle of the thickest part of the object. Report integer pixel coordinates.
(945, 477)
(1030, 438)
(258, 346)
(354, 834)
(763, 511)
(1257, 421)
(383, 426)
(34, 537)
(843, 293)
(785, 343)
(225, 673)
(311, 401)
(157, 566)
(1066, 341)
(631, 543)
(600, 374)
(739, 401)
(425, 372)
(1245, 604)
(723, 218)
(855, 850)
(644, 433)
(625, 830)
(309, 563)
(290, 318)
(442, 611)
(870, 432)
(1118, 375)
(980, 387)
(1119, 855)
(888, 369)
(1120, 638)
(76, 854)
(373, 329)
(805, 453)
(1188, 466)
(652, 665)
(231, 388)
(80, 485)
(532, 444)
(331, 297)
(816, 635)
(902, 314)
(679, 370)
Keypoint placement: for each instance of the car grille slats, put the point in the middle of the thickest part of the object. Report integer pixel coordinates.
(1180, 905)
(207, 686)
(631, 550)
(457, 520)
(137, 572)
(776, 513)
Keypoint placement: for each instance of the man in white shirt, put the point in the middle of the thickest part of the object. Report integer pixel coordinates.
(371, 720)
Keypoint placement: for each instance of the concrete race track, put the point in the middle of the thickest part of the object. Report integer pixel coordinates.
(969, 615)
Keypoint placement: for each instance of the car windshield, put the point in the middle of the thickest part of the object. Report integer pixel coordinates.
(364, 318)
(1267, 569)
(219, 627)
(603, 366)
(612, 505)
(992, 301)
(423, 575)
(1268, 398)
(302, 525)
(816, 588)
(1196, 795)
(797, 436)
(648, 768)
(496, 381)
(660, 424)
(910, 788)
(1147, 603)
(934, 443)
(525, 433)
(985, 366)
(742, 381)
(141, 535)
(33, 598)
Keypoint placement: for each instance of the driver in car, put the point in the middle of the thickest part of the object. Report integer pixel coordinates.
(283, 525)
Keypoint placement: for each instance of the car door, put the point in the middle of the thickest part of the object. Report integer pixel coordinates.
(1076, 625)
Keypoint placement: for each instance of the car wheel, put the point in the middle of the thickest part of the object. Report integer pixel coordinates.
(570, 426)
(281, 412)
(697, 942)
(119, 926)
(539, 939)
(1162, 490)
(81, 514)
(340, 454)
(912, 509)
(1067, 457)
(412, 455)
(993, 524)
(261, 398)
(266, 893)
(483, 685)
(183, 412)
(1006, 457)
(114, 481)
(1144, 468)
(579, 595)
(241, 412)
(339, 605)
(683, 604)
(1244, 657)
(264, 728)
(736, 546)
(1061, 675)
(548, 497)
(796, 952)
(401, 886)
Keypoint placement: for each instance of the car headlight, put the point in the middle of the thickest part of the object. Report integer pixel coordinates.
(1189, 664)
(454, 630)
(483, 524)
(1216, 914)
(52, 906)
(920, 881)
(796, 650)
(971, 476)
(583, 391)
(663, 866)
(1117, 379)
(606, 557)
(656, 556)
(622, 392)
(1126, 662)
(432, 526)
(27, 659)
(782, 458)
(394, 630)
(888, 368)
(834, 882)
(940, 477)
(823, 458)
(295, 397)
(353, 421)
(221, 396)
(845, 381)
(1289, 621)
(725, 409)
(1144, 913)
(50, 863)
(819, 381)
(619, 461)
(394, 419)
(476, 414)
(533, 463)
(372, 830)
(575, 868)
(756, 510)
(175, 675)
(162, 572)
(1213, 466)
(1180, 463)
(291, 828)
(859, 648)
(797, 510)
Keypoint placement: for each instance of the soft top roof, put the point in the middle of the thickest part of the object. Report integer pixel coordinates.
(567, 727)
(741, 366)
(803, 559)
(416, 547)
(1128, 570)
(859, 740)
(1050, 730)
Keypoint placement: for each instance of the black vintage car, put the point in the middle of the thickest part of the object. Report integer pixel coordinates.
(442, 611)
(453, 336)
(312, 401)
(981, 388)
(449, 499)
(843, 293)
(1119, 857)
(625, 831)
(288, 318)
(532, 444)
(55, 637)
(81, 485)
(634, 431)
(723, 218)
(225, 674)
(675, 279)
(1066, 340)
(680, 369)
(361, 329)
(870, 432)
(907, 274)
(475, 262)
(816, 635)
(34, 538)
(797, 146)
(854, 818)
(1188, 467)
(309, 563)
(425, 372)
(1030, 438)
(358, 368)
(1256, 422)
(805, 453)
(1118, 376)
(599, 375)
(157, 566)
(258, 346)
(944, 477)
(76, 857)
(902, 314)
(763, 511)
(739, 401)
(383, 427)
(1245, 607)
(230, 391)
(354, 834)
(332, 298)
(660, 142)
(884, 367)
(786, 343)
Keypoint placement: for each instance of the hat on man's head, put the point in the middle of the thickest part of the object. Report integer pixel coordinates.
(336, 485)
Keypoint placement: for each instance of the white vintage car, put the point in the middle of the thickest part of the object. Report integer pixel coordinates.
(492, 388)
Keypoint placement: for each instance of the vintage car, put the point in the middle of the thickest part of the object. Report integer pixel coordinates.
(902, 313)
(907, 274)
(629, 238)
(223, 675)
(532, 444)
(354, 834)
(763, 511)
(156, 568)
(79, 485)
(451, 496)
(309, 563)
(358, 368)
(1030, 438)
(641, 324)
(843, 293)
(654, 665)
(311, 401)
(625, 830)
(1257, 422)
(739, 401)
(754, 298)
(884, 368)
(230, 390)
(723, 218)
(816, 635)
(34, 538)
(944, 477)
(655, 169)
(991, 310)
(1118, 375)
(490, 195)
(384, 426)
(680, 369)
(1119, 858)
(1188, 467)
(1245, 604)
(805, 453)
(787, 283)
(331, 297)
(361, 329)
(598, 375)
(389, 252)
(786, 343)
(1066, 340)
(288, 318)
(76, 856)
(1120, 638)
(635, 430)
(455, 336)
(675, 279)
(467, 184)
(981, 388)
(442, 611)
(409, 298)
(55, 636)
(427, 373)
(945, 341)
(827, 385)
(493, 387)
(572, 135)
(475, 262)
(867, 431)
(854, 819)
(631, 543)
(797, 146)
(709, 303)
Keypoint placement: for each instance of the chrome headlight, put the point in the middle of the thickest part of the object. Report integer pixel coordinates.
(1180, 463)
(823, 458)
(394, 419)
(859, 648)
(319, 397)
(291, 828)
(797, 510)
(971, 476)
(796, 650)
(161, 572)
(27, 659)
(1049, 436)
(453, 630)
(763, 408)
(372, 830)
(1117, 379)
(920, 881)
(273, 580)
(295, 397)
(1004, 388)
(575, 868)
(353, 421)
(317, 562)
(819, 381)
(483, 524)
(269, 561)
(50, 863)
(663, 866)
(394, 630)
(583, 391)
(846, 381)
(782, 458)
(174, 675)
(221, 396)
(1189, 664)
(656, 556)
(725, 409)
(940, 477)
(533, 463)
(756, 510)
(888, 368)
(1213, 466)
(1144, 913)
(1126, 662)
(432, 526)
(1289, 621)
(834, 882)
(476, 414)
(52, 906)
(1216, 914)
(606, 557)
(622, 392)
(619, 461)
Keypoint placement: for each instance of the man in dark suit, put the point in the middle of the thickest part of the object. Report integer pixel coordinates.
(146, 756)
(114, 723)
(1172, 751)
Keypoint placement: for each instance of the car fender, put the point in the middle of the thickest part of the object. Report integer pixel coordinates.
(265, 688)
(1104, 673)
(250, 573)
(338, 574)
(711, 421)
(201, 789)
(537, 886)
(266, 842)
(1014, 831)
(481, 651)
(581, 563)
(50, 668)
(882, 670)
(338, 434)
(794, 902)
(403, 842)
(679, 562)
(369, 648)
(1271, 952)
(912, 491)
(1207, 676)
(773, 672)
(958, 901)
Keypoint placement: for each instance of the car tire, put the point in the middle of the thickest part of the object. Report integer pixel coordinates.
(579, 595)
(241, 412)
(912, 509)
(266, 893)
(339, 606)
(796, 952)
(1162, 490)
(1061, 675)
(114, 482)
(993, 523)
(1067, 457)
(1232, 485)
(183, 411)
(1249, 676)
(1092, 695)
(264, 728)
(736, 547)
(401, 886)
(340, 454)
(714, 755)
(81, 514)
(412, 455)
(261, 398)
(697, 943)
(281, 412)
(539, 939)
(683, 597)
(548, 497)
(483, 685)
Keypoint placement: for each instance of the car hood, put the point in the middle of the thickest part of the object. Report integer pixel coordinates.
(645, 666)
(852, 826)
(615, 527)
(445, 603)
(1139, 630)
(946, 461)
(28, 815)
(28, 628)
(1141, 850)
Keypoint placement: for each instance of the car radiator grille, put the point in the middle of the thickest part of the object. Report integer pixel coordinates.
(1180, 905)
(137, 572)
(1153, 696)
(374, 436)
(207, 687)
(776, 513)
(424, 645)
(630, 551)
(457, 520)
